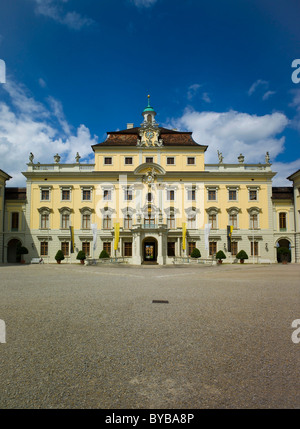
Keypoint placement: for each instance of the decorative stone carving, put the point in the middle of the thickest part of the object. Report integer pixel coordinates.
(31, 157)
(56, 158)
(241, 158)
(267, 158)
(220, 156)
(77, 158)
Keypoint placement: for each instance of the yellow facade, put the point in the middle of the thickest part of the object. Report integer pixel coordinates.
(151, 181)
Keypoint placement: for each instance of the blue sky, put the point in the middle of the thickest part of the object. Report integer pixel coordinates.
(76, 69)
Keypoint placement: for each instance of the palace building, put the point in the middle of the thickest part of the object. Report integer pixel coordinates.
(149, 196)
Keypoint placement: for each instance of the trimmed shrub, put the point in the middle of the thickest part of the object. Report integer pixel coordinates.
(242, 255)
(22, 250)
(220, 255)
(283, 254)
(59, 255)
(81, 255)
(104, 254)
(196, 253)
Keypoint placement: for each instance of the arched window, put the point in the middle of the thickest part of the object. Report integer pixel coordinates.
(213, 216)
(191, 224)
(127, 221)
(44, 217)
(107, 220)
(233, 216)
(254, 217)
(86, 215)
(65, 217)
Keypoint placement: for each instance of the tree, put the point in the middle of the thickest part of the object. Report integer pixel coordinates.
(220, 255)
(81, 255)
(196, 253)
(59, 256)
(104, 254)
(242, 255)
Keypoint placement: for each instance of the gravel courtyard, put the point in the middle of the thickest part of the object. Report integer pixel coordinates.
(91, 337)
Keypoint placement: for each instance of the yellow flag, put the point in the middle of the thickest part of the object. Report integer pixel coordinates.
(183, 235)
(117, 233)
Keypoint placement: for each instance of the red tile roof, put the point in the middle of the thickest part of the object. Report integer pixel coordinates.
(129, 138)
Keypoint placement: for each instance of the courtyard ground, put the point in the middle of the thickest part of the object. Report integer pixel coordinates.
(91, 336)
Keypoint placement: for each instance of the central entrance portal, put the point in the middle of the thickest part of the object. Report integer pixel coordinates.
(150, 250)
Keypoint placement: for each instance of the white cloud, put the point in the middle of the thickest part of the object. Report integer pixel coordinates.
(234, 132)
(206, 98)
(284, 170)
(193, 90)
(256, 84)
(29, 126)
(268, 95)
(42, 83)
(144, 3)
(52, 9)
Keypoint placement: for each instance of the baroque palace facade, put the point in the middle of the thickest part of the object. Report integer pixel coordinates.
(149, 196)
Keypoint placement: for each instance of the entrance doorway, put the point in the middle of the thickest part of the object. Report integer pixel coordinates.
(284, 243)
(12, 256)
(150, 250)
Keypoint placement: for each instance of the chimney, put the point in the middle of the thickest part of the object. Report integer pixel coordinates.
(129, 126)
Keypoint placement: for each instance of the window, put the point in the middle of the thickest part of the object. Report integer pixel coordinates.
(282, 221)
(212, 248)
(234, 248)
(191, 194)
(128, 194)
(128, 160)
(170, 195)
(107, 247)
(254, 248)
(192, 221)
(252, 194)
(107, 194)
(127, 221)
(44, 248)
(86, 248)
(128, 248)
(65, 194)
(170, 161)
(149, 197)
(149, 220)
(212, 195)
(149, 159)
(171, 220)
(212, 218)
(44, 220)
(65, 248)
(86, 194)
(233, 220)
(191, 160)
(171, 248)
(253, 221)
(86, 221)
(45, 194)
(107, 221)
(192, 246)
(232, 195)
(65, 220)
(107, 160)
(15, 221)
